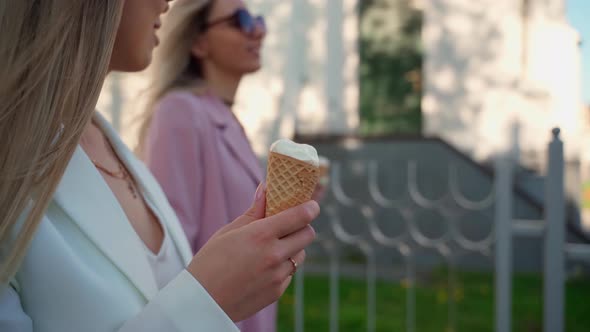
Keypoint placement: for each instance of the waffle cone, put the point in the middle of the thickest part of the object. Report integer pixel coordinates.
(289, 182)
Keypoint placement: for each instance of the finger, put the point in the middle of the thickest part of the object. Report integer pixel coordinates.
(288, 269)
(255, 212)
(291, 220)
(295, 242)
(258, 208)
(298, 258)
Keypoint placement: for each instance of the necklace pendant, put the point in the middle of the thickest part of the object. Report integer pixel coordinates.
(132, 189)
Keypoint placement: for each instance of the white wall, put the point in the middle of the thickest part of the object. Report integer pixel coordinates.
(484, 70)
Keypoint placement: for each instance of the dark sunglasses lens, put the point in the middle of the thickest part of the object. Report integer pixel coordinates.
(245, 21)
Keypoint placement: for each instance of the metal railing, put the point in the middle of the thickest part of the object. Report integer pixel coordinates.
(450, 243)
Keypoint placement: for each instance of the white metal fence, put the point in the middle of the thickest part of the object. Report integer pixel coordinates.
(451, 243)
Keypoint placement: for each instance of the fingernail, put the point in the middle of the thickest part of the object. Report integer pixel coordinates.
(260, 191)
(314, 206)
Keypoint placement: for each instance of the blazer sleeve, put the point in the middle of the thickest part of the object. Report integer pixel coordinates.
(182, 306)
(174, 156)
(12, 316)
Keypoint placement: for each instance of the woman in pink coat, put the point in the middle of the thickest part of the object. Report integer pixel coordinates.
(190, 139)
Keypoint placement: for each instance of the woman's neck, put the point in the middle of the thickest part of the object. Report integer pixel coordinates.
(91, 137)
(222, 84)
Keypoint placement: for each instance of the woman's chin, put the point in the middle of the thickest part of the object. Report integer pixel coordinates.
(136, 64)
(140, 64)
(252, 68)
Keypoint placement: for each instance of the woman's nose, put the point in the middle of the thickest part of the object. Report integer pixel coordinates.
(166, 6)
(259, 28)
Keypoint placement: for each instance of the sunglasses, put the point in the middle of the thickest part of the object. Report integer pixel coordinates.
(242, 20)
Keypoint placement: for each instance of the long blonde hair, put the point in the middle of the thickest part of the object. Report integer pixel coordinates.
(174, 66)
(54, 56)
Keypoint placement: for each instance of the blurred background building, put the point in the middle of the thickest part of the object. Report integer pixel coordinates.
(466, 71)
(463, 70)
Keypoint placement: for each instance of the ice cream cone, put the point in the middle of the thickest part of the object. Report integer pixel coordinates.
(290, 182)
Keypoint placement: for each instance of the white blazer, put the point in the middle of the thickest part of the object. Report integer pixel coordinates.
(87, 270)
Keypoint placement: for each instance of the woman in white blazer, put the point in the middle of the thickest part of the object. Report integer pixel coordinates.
(88, 241)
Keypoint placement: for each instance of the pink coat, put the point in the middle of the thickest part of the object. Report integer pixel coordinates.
(199, 153)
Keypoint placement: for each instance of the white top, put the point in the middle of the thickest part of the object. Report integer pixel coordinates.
(303, 152)
(167, 263)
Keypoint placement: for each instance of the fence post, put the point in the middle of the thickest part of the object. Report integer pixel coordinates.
(503, 224)
(411, 294)
(334, 288)
(554, 265)
(299, 299)
(371, 291)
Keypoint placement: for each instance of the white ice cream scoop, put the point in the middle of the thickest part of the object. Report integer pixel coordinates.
(303, 152)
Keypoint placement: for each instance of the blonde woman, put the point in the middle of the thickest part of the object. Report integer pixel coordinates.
(190, 139)
(88, 242)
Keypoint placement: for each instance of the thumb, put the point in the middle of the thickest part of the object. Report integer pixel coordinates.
(256, 211)
(258, 208)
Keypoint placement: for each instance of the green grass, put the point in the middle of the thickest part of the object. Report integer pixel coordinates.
(473, 297)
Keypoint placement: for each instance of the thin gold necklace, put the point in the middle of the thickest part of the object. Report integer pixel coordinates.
(121, 174)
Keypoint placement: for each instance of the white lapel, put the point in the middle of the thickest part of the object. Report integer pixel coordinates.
(86, 198)
(150, 187)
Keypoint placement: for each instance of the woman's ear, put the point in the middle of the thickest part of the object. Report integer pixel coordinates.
(200, 47)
